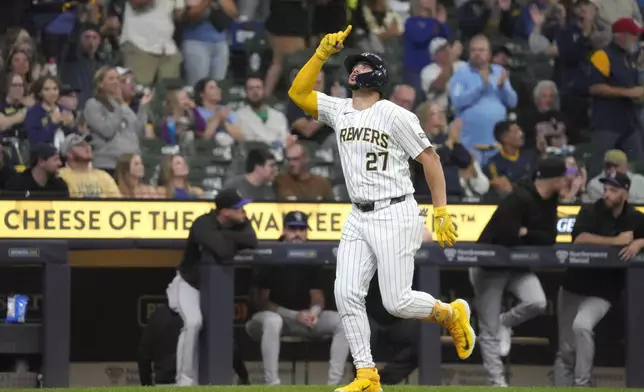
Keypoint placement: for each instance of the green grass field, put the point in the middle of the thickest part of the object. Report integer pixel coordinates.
(303, 388)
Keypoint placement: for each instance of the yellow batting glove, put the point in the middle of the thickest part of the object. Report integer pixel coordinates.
(332, 43)
(444, 228)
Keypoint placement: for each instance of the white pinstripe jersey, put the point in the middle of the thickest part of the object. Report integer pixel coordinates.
(375, 146)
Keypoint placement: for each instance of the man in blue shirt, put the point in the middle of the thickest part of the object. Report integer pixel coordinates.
(481, 94)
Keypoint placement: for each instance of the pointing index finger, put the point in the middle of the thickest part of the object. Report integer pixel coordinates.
(346, 32)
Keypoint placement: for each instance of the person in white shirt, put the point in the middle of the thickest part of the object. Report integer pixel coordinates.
(260, 122)
(435, 76)
(146, 40)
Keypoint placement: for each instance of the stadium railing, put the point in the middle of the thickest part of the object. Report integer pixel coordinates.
(218, 288)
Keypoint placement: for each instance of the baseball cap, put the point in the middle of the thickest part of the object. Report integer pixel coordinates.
(616, 157)
(68, 89)
(41, 151)
(230, 198)
(120, 71)
(617, 179)
(296, 219)
(627, 26)
(551, 168)
(73, 140)
(437, 44)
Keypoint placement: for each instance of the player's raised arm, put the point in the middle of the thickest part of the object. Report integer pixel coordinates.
(301, 91)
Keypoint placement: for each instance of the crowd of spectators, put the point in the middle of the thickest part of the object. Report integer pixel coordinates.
(164, 99)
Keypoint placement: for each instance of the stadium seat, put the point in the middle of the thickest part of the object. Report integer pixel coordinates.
(637, 167)
(151, 164)
(324, 155)
(151, 146)
(210, 149)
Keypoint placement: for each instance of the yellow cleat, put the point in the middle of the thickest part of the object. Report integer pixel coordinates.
(455, 317)
(460, 328)
(367, 380)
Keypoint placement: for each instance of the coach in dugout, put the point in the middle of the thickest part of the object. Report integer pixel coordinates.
(586, 294)
(222, 232)
(291, 303)
(527, 216)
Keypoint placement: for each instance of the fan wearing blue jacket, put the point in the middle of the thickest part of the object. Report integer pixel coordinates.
(47, 122)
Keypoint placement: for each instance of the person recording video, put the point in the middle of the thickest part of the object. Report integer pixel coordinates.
(223, 232)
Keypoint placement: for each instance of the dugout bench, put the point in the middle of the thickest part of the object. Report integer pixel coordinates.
(217, 294)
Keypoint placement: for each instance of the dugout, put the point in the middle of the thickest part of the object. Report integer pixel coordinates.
(51, 337)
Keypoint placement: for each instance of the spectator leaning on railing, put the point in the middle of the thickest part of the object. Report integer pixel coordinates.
(114, 127)
(82, 180)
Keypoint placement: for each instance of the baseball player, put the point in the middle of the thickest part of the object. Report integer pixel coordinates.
(385, 227)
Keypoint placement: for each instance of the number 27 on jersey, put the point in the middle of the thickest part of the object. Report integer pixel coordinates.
(377, 161)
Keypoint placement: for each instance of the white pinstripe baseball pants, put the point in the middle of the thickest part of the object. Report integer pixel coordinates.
(385, 239)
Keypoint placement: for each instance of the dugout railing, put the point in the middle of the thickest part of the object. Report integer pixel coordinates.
(217, 294)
